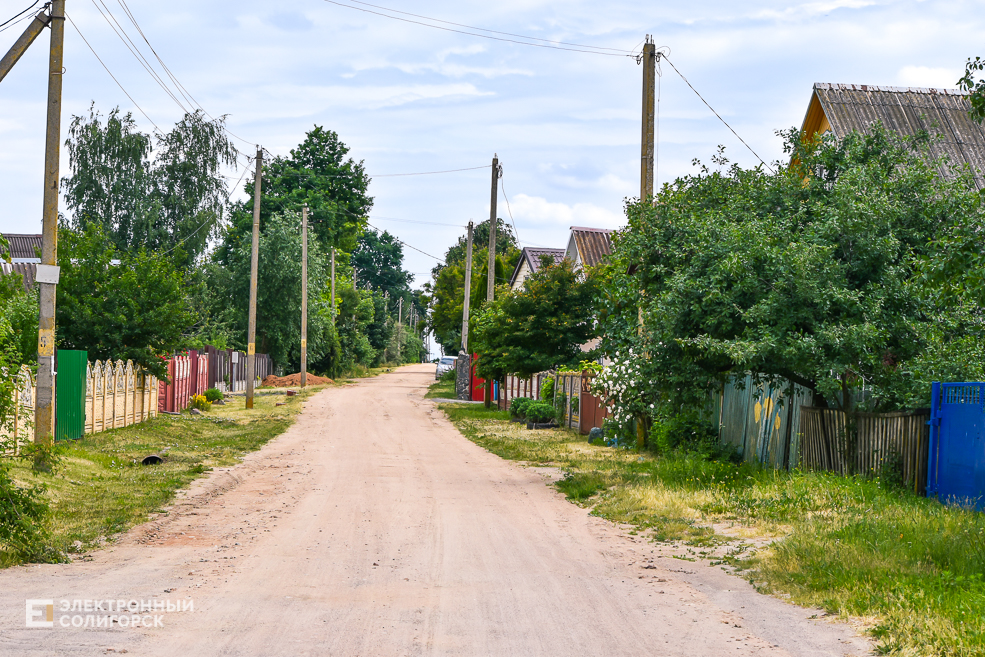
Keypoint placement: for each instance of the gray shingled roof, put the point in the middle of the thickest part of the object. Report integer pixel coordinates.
(22, 245)
(532, 257)
(906, 111)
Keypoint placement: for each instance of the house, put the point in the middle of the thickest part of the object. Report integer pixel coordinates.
(529, 263)
(22, 257)
(587, 247)
(843, 108)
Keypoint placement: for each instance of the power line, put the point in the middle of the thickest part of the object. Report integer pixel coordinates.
(17, 22)
(406, 244)
(204, 223)
(475, 34)
(111, 73)
(482, 29)
(510, 210)
(21, 13)
(427, 173)
(664, 56)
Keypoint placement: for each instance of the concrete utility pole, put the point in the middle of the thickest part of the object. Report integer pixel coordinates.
(491, 282)
(462, 376)
(251, 331)
(400, 333)
(47, 274)
(649, 59)
(304, 296)
(23, 42)
(468, 289)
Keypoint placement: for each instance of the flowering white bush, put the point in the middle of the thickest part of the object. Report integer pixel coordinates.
(627, 392)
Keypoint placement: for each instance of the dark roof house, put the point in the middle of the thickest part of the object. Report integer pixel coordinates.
(842, 108)
(530, 262)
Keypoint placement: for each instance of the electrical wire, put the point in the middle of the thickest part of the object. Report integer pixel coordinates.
(482, 29)
(475, 34)
(768, 168)
(204, 223)
(427, 173)
(132, 47)
(111, 73)
(510, 210)
(406, 244)
(17, 22)
(16, 16)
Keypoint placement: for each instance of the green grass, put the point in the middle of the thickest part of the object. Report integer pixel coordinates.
(912, 568)
(443, 388)
(100, 488)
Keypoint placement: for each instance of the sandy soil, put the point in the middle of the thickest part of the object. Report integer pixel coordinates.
(372, 527)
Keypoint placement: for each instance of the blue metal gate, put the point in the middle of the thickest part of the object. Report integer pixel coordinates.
(956, 468)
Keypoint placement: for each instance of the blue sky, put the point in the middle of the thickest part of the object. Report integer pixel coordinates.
(408, 98)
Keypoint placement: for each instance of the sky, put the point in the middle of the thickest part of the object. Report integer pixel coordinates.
(407, 98)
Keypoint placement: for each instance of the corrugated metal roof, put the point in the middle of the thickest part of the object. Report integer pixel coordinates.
(943, 113)
(26, 269)
(22, 245)
(532, 257)
(593, 244)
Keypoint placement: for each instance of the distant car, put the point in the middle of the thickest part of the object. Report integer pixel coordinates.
(446, 363)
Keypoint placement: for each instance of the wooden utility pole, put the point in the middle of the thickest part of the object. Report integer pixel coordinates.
(468, 290)
(251, 331)
(333, 285)
(304, 296)
(491, 280)
(649, 59)
(47, 274)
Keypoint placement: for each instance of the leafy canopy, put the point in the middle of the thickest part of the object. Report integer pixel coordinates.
(116, 304)
(809, 274)
(176, 198)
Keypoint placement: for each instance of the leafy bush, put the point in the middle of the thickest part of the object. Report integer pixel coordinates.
(689, 432)
(519, 405)
(22, 521)
(547, 389)
(213, 395)
(540, 412)
(200, 402)
(448, 376)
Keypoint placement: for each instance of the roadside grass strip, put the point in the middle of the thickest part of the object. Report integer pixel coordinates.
(909, 567)
(100, 488)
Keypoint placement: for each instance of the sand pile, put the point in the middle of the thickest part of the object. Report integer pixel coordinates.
(294, 380)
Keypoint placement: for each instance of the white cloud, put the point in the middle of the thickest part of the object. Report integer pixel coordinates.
(927, 76)
(537, 210)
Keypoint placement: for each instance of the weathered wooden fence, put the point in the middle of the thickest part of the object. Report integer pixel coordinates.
(118, 395)
(582, 409)
(761, 420)
(899, 439)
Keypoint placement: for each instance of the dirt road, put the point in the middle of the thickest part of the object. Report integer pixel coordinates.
(372, 527)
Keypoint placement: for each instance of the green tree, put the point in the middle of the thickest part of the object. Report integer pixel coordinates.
(541, 326)
(444, 293)
(117, 304)
(176, 198)
(278, 328)
(809, 274)
(318, 174)
(974, 84)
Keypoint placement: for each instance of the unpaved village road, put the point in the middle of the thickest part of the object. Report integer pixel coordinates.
(372, 527)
